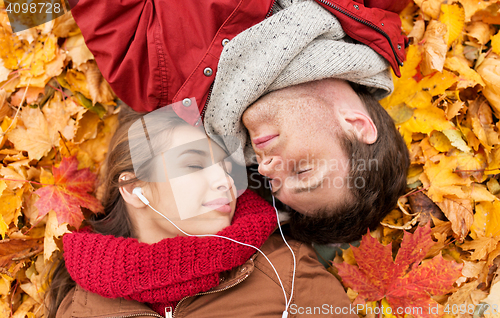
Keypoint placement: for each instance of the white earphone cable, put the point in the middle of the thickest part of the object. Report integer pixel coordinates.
(287, 302)
(293, 254)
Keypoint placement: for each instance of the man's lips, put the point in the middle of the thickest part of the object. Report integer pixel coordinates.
(221, 205)
(261, 142)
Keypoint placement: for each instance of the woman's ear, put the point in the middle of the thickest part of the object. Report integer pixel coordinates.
(126, 191)
(359, 123)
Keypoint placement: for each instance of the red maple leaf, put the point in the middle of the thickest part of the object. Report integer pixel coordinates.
(69, 193)
(404, 282)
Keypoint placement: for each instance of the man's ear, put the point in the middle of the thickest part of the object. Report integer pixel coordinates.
(359, 123)
(127, 191)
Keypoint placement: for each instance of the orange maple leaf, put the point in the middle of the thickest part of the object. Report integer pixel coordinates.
(69, 192)
(403, 282)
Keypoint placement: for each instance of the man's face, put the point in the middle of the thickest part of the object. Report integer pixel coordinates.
(294, 133)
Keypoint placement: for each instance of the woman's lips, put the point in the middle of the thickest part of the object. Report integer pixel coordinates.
(261, 142)
(221, 205)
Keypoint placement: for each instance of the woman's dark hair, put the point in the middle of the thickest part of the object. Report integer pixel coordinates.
(115, 220)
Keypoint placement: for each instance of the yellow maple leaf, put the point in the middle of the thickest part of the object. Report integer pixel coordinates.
(439, 141)
(453, 16)
(10, 205)
(442, 178)
(12, 49)
(478, 193)
(424, 120)
(41, 129)
(471, 165)
(437, 83)
(472, 6)
(487, 219)
(34, 136)
(468, 76)
(482, 246)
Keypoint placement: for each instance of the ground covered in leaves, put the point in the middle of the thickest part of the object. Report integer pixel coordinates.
(57, 115)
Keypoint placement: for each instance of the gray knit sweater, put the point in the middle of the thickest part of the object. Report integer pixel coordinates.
(301, 42)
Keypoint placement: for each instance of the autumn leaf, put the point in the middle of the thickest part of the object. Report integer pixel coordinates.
(69, 193)
(435, 47)
(481, 246)
(453, 16)
(77, 50)
(18, 249)
(490, 72)
(495, 43)
(53, 231)
(404, 282)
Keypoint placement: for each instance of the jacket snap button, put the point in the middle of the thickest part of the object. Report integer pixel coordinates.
(356, 7)
(186, 102)
(399, 47)
(382, 24)
(208, 71)
(225, 41)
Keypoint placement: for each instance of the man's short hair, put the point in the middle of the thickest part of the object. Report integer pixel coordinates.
(378, 178)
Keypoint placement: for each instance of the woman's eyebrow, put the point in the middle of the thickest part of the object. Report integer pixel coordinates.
(193, 151)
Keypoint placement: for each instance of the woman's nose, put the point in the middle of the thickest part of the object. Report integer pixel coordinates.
(221, 180)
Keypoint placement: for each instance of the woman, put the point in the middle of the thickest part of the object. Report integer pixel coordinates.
(186, 276)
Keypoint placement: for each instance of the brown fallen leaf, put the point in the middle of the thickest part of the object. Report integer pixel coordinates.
(482, 246)
(480, 31)
(459, 212)
(420, 203)
(63, 25)
(430, 7)
(435, 48)
(490, 72)
(417, 33)
(13, 250)
(99, 89)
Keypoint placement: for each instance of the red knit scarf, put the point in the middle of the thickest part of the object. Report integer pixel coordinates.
(163, 273)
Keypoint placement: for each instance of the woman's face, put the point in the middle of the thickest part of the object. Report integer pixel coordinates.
(198, 195)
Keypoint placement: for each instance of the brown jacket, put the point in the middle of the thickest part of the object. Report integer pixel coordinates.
(251, 290)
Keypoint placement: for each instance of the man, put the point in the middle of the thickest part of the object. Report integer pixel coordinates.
(157, 52)
(332, 152)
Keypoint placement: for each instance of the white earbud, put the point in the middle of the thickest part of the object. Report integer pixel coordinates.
(138, 192)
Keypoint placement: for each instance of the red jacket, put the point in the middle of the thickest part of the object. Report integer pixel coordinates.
(154, 52)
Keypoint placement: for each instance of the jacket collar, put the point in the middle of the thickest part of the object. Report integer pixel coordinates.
(86, 304)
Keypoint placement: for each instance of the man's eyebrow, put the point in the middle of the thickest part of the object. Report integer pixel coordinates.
(310, 187)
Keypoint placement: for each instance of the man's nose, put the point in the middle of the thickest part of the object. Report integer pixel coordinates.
(269, 166)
